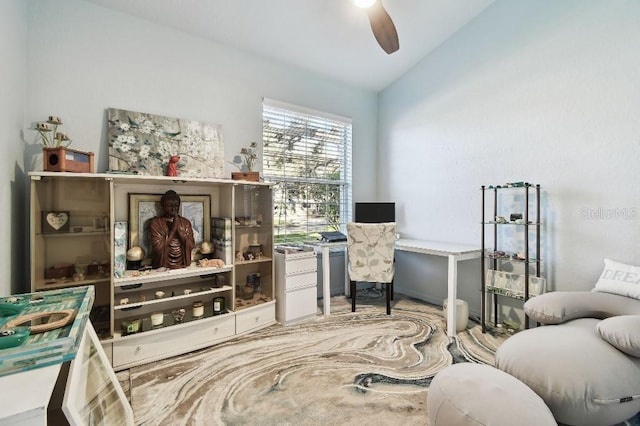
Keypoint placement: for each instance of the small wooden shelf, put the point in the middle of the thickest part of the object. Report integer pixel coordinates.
(248, 262)
(43, 284)
(73, 234)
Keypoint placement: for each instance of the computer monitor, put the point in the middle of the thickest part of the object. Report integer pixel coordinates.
(375, 212)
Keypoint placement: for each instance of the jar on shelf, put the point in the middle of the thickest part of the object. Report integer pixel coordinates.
(130, 327)
(247, 291)
(198, 309)
(218, 305)
(219, 281)
(157, 319)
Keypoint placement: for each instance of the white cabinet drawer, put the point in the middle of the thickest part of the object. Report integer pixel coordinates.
(256, 317)
(301, 304)
(308, 279)
(172, 341)
(296, 266)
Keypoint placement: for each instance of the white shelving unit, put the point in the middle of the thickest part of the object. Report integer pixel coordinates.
(83, 252)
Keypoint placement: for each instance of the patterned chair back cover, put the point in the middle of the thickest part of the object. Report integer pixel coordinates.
(371, 251)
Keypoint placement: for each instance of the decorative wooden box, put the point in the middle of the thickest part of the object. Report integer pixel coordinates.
(63, 159)
(59, 271)
(248, 176)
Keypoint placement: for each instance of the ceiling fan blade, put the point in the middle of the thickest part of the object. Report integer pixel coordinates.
(383, 28)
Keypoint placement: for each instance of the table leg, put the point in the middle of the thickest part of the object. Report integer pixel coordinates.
(452, 296)
(326, 281)
(347, 283)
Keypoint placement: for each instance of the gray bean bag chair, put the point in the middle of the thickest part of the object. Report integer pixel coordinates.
(584, 363)
(470, 394)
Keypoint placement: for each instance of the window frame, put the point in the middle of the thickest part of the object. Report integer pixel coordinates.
(337, 145)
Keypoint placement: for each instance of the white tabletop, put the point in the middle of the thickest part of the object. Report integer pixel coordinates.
(330, 244)
(436, 248)
(27, 391)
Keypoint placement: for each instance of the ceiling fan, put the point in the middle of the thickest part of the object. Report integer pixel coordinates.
(381, 24)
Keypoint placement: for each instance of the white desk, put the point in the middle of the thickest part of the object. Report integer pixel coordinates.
(326, 271)
(455, 253)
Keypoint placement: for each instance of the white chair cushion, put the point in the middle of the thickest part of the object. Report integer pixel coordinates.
(619, 278)
(623, 332)
(370, 250)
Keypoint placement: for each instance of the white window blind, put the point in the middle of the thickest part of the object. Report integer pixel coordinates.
(307, 155)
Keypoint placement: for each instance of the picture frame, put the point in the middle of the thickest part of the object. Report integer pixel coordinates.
(144, 207)
(100, 223)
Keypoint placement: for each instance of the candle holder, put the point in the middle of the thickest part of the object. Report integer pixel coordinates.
(218, 305)
(198, 309)
(157, 319)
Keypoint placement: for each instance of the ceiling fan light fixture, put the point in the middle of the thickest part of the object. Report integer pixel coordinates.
(364, 3)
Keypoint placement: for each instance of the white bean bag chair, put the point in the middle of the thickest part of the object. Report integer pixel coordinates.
(470, 394)
(586, 370)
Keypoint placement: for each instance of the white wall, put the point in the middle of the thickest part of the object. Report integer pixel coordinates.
(545, 92)
(13, 43)
(84, 59)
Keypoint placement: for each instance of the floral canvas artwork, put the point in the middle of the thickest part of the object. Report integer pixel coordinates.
(146, 144)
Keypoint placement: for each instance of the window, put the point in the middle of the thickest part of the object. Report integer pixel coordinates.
(307, 155)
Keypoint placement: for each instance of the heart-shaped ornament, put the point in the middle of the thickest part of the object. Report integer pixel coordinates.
(57, 220)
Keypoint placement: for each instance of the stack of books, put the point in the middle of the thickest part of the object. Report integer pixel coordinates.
(221, 236)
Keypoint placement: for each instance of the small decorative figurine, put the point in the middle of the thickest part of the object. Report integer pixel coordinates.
(217, 263)
(172, 167)
(178, 315)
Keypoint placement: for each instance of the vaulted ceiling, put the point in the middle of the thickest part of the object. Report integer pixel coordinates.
(332, 38)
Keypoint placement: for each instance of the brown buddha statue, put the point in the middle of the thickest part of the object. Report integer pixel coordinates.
(171, 235)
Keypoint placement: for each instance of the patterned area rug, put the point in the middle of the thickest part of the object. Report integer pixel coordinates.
(348, 369)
